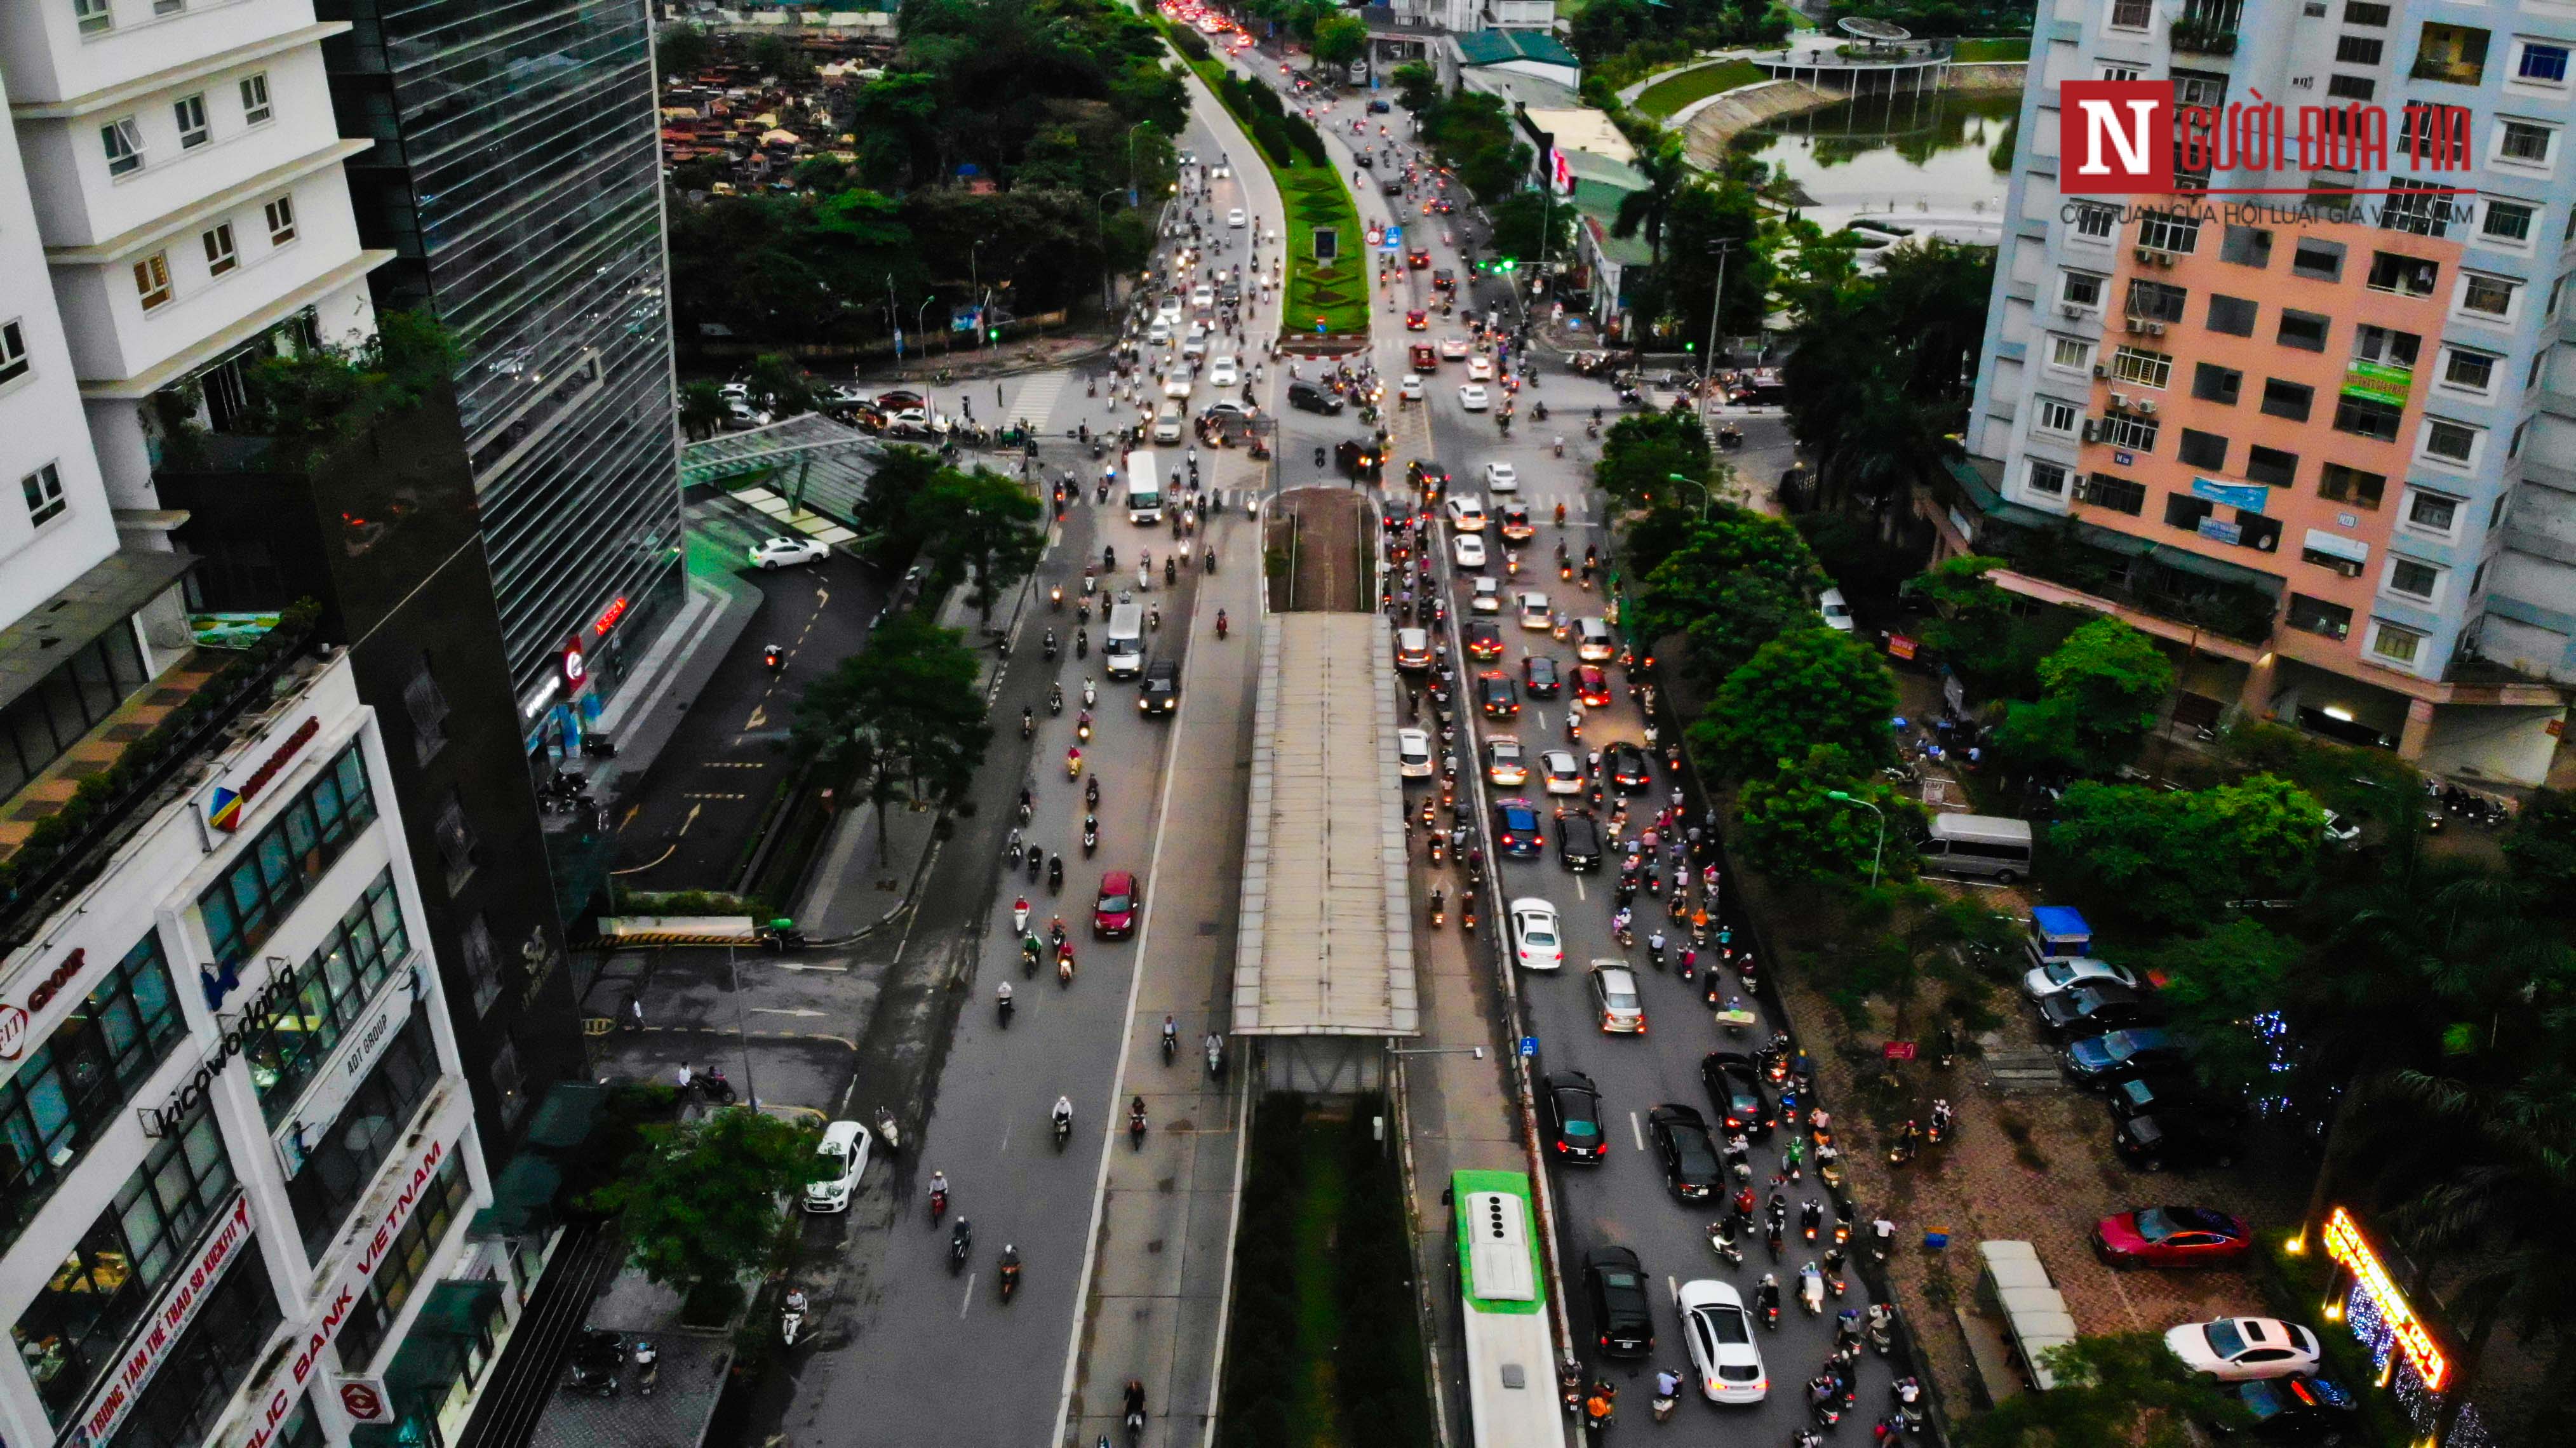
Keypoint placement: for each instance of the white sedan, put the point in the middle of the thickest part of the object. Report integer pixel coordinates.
(1504, 763)
(1487, 598)
(1720, 1334)
(1564, 772)
(1472, 397)
(1236, 218)
(1502, 478)
(1466, 513)
(1453, 348)
(1176, 384)
(1480, 369)
(1413, 753)
(1467, 550)
(1536, 943)
(2059, 975)
(1410, 389)
(1168, 311)
(1203, 297)
(781, 552)
(1223, 373)
(1535, 613)
(2235, 1349)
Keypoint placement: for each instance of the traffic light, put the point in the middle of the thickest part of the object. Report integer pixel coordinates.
(993, 334)
(1506, 264)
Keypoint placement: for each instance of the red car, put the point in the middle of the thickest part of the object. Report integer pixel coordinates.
(1416, 321)
(1113, 915)
(1592, 686)
(2171, 1237)
(1418, 258)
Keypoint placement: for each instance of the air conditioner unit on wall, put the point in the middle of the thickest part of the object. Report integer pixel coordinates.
(2164, 258)
(2101, 371)
(2155, 329)
(2146, 257)
(2120, 400)
(2070, 309)
(2092, 430)
(2147, 406)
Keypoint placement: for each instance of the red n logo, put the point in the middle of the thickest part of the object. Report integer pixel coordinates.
(2115, 138)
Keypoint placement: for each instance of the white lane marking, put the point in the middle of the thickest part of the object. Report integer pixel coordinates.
(1637, 1130)
(1578, 889)
(969, 1299)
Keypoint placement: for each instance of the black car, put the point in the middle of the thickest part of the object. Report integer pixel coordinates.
(1366, 159)
(1623, 1322)
(1391, 186)
(2097, 1063)
(2296, 1410)
(1578, 840)
(1626, 765)
(1691, 1167)
(2180, 1139)
(1497, 696)
(1377, 108)
(2094, 1007)
(1307, 397)
(1734, 1083)
(2157, 1093)
(1428, 474)
(1484, 639)
(1161, 691)
(1516, 828)
(1443, 280)
(1539, 676)
(1572, 1105)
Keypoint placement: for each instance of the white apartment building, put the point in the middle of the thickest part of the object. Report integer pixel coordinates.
(2327, 453)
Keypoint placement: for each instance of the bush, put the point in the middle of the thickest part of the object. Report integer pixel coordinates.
(1308, 140)
(1190, 44)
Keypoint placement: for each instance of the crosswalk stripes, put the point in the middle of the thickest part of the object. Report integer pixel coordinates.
(1035, 402)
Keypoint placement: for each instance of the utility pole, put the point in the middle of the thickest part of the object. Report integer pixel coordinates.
(1716, 304)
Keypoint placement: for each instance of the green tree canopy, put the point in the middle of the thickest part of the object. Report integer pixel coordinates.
(2127, 1388)
(1417, 86)
(905, 713)
(1795, 830)
(2215, 983)
(703, 1200)
(2169, 857)
(1808, 686)
(980, 525)
(1339, 39)
(2100, 694)
(1641, 452)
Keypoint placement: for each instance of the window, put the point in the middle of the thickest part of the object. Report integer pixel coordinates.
(455, 839)
(2303, 330)
(2414, 580)
(2405, 275)
(2047, 477)
(2246, 246)
(2232, 315)
(2525, 142)
(2385, 345)
(2172, 231)
(13, 351)
(2200, 88)
(2203, 450)
(93, 16)
(2450, 441)
(2119, 429)
(254, 99)
(2272, 467)
(2337, 483)
(43, 489)
(2541, 64)
(2357, 12)
(2474, 371)
(2131, 14)
(191, 114)
(2454, 53)
(186, 1397)
(344, 1154)
(70, 1334)
(168, 7)
(2351, 87)
(2287, 399)
(405, 1261)
(2431, 512)
(2097, 222)
(2317, 260)
(2213, 383)
(152, 280)
(2083, 289)
(2358, 49)
(72, 1088)
(2118, 494)
(2155, 301)
(221, 255)
(246, 904)
(2393, 644)
(2069, 353)
(333, 987)
(427, 706)
(123, 139)
(2512, 450)
(2507, 222)
(2315, 615)
(2415, 206)
(482, 962)
(2488, 296)
(2136, 364)
(2367, 417)
(281, 221)
(2057, 417)
(2184, 511)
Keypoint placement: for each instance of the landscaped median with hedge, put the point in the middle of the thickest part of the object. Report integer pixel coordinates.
(1334, 293)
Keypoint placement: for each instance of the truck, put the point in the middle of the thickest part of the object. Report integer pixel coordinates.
(1144, 489)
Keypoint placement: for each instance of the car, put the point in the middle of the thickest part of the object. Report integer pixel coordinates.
(1366, 160)
(1413, 649)
(2160, 1093)
(1222, 373)
(1168, 311)
(1467, 550)
(1838, 614)
(1614, 1284)
(1388, 187)
(1159, 693)
(845, 1155)
(1159, 334)
(1537, 942)
(1505, 764)
(2172, 1237)
(1194, 342)
(781, 552)
(1572, 1105)
(1167, 423)
(1480, 369)
(1691, 1167)
(1307, 397)
(1496, 695)
(1202, 296)
(2296, 1410)
(1467, 513)
(1578, 841)
(1418, 259)
(740, 414)
(1592, 686)
(1733, 1081)
(2097, 1062)
(1176, 384)
(2235, 1349)
(1625, 766)
(1535, 613)
(1410, 388)
(1413, 753)
(1453, 348)
(1562, 771)
(1428, 476)
(1516, 525)
(1415, 320)
(1720, 1334)
(1443, 280)
(1592, 641)
(1484, 641)
(1538, 675)
(1236, 218)
(1515, 828)
(1502, 478)
(2073, 971)
(1487, 597)
(1113, 914)
(2183, 1139)
(2094, 1007)
(1473, 397)
(1377, 108)
(1615, 1001)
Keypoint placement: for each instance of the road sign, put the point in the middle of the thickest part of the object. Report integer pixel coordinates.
(1529, 1046)
(1898, 1050)
(1394, 234)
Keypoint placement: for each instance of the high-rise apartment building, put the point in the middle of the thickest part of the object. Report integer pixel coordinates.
(516, 176)
(273, 968)
(2317, 427)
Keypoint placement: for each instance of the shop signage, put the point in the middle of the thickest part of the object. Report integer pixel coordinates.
(2222, 531)
(575, 666)
(360, 1052)
(2251, 497)
(365, 1400)
(608, 618)
(14, 1019)
(2345, 1243)
(161, 1332)
(1901, 646)
(257, 1013)
(224, 806)
(1897, 1050)
(2378, 382)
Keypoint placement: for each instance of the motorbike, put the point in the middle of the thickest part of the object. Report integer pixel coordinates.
(1823, 1400)
(1903, 1148)
(961, 1242)
(1063, 1131)
(1721, 1240)
(1010, 1276)
(1136, 1129)
(648, 1368)
(1028, 724)
(1090, 693)
(1811, 1289)
(1090, 834)
(1882, 1328)
(1073, 763)
(1939, 1130)
(1002, 1007)
(1020, 916)
(1905, 1395)
(1215, 1055)
(1055, 699)
(791, 1317)
(1064, 965)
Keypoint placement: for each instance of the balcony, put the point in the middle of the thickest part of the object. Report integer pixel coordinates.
(2203, 37)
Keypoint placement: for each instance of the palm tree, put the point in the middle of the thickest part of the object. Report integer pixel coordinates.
(1666, 171)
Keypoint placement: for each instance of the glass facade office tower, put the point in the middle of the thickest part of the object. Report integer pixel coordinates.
(516, 177)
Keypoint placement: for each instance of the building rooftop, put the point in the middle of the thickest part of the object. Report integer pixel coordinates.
(1495, 47)
(1582, 129)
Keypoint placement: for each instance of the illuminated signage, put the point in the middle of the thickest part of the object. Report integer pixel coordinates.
(224, 806)
(13, 1019)
(575, 666)
(2345, 1243)
(608, 618)
(161, 1332)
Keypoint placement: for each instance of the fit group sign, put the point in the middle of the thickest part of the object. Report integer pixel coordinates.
(2130, 138)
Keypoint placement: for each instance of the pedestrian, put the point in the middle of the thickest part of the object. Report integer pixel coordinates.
(684, 1078)
(635, 1011)
(1882, 1235)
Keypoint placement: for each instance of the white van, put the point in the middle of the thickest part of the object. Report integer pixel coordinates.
(1122, 650)
(1985, 847)
(1144, 486)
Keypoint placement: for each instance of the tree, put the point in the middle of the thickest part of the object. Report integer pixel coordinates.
(1809, 686)
(681, 50)
(781, 385)
(702, 1199)
(886, 515)
(983, 524)
(2216, 982)
(1339, 39)
(1745, 612)
(1795, 830)
(2124, 1388)
(1532, 224)
(2165, 857)
(1969, 614)
(2541, 850)
(906, 713)
(1417, 86)
(1730, 545)
(702, 408)
(1641, 452)
(1666, 171)
(2100, 693)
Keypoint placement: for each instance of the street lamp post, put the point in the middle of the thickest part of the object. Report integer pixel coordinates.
(1716, 304)
(1704, 494)
(1845, 796)
(921, 317)
(1100, 234)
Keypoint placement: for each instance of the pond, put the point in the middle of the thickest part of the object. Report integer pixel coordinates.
(1932, 153)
